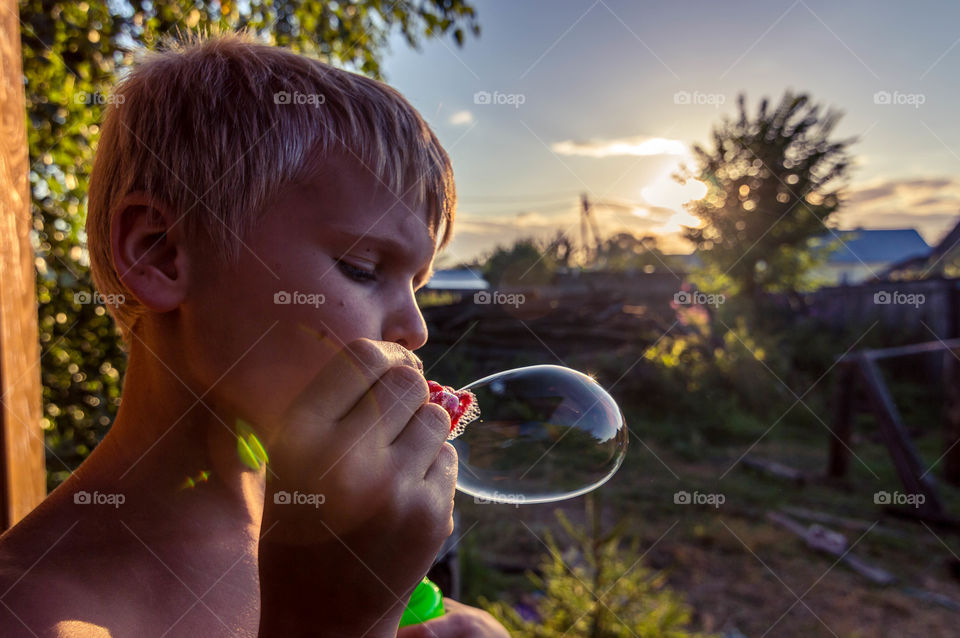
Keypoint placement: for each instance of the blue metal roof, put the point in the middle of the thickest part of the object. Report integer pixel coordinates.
(457, 279)
(875, 245)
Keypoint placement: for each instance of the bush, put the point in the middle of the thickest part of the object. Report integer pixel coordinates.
(600, 591)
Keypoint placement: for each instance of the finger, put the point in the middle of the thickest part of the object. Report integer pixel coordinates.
(458, 621)
(470, 622)
(420, 440)
(444, 468)
(389, 404)
(445, 626)
(347, 376)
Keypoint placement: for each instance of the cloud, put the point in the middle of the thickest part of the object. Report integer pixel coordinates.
(636, 145)
(915, 189)
(929, 204)
(461, 118)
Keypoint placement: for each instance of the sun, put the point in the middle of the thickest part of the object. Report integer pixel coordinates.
(668, 193)
(672, 195)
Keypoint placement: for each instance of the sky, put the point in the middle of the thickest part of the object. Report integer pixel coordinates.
(606, 97)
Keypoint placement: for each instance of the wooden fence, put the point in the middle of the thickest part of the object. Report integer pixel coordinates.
(912, 307)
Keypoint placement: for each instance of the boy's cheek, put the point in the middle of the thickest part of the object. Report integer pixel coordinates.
(260, 382)
(256, 338)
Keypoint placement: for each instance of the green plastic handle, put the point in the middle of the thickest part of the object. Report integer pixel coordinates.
(426, 602)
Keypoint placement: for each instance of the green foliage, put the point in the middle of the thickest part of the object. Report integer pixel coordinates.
(628, 252)
(773, 184)
(599, 590)
(528, 262)
(71, 53)
(711, 366)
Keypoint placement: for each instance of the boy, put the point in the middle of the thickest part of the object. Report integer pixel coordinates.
(262, 221)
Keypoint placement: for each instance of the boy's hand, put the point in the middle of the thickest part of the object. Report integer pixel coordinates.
(359, 496)
(362, 439)
(459, 621)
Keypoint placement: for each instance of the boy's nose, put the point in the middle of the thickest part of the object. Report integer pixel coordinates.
(406, 327)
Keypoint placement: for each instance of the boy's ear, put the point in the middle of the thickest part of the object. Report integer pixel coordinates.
(149, 252)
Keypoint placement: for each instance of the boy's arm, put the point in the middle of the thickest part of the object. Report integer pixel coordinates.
(359, 497)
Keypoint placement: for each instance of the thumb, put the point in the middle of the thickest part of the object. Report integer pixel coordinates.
(446, 626)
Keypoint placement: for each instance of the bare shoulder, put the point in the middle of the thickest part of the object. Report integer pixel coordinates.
(32, 596)
(80, 629)
(42, 593)
(30, 606)
(14, 626)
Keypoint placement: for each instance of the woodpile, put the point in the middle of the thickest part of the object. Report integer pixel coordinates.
(561, 325)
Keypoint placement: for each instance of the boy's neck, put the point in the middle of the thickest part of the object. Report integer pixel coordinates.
(168, 442)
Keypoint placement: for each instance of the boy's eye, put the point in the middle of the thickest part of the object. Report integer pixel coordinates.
(356, 273)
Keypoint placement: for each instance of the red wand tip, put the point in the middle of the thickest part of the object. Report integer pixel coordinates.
(461, 405)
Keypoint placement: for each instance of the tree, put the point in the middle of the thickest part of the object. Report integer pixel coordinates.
(600, 590)
(628, 252)
(527, 262)
(773, 184)
(71, 53)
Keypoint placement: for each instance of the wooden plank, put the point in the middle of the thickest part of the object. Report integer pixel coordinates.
(905, 458)
(854, 524)
(830, 542)
(22, 478)
(773, 468)
(902, 351)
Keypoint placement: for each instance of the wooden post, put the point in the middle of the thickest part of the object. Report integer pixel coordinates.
(22, 477)
(844, 402)
(905, 458)
(951, 418)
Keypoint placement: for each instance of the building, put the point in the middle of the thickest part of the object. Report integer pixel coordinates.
(457, 280)
(864, 254)
(943, 260)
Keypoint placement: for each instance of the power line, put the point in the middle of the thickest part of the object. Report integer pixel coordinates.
(510, 199)
(564, 205)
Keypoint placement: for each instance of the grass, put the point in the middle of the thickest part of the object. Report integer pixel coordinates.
(739, 570)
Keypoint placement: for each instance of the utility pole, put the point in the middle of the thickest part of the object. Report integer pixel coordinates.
(586, 218)
(584, 211)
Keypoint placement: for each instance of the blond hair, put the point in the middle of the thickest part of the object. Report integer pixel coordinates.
(214, 126)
